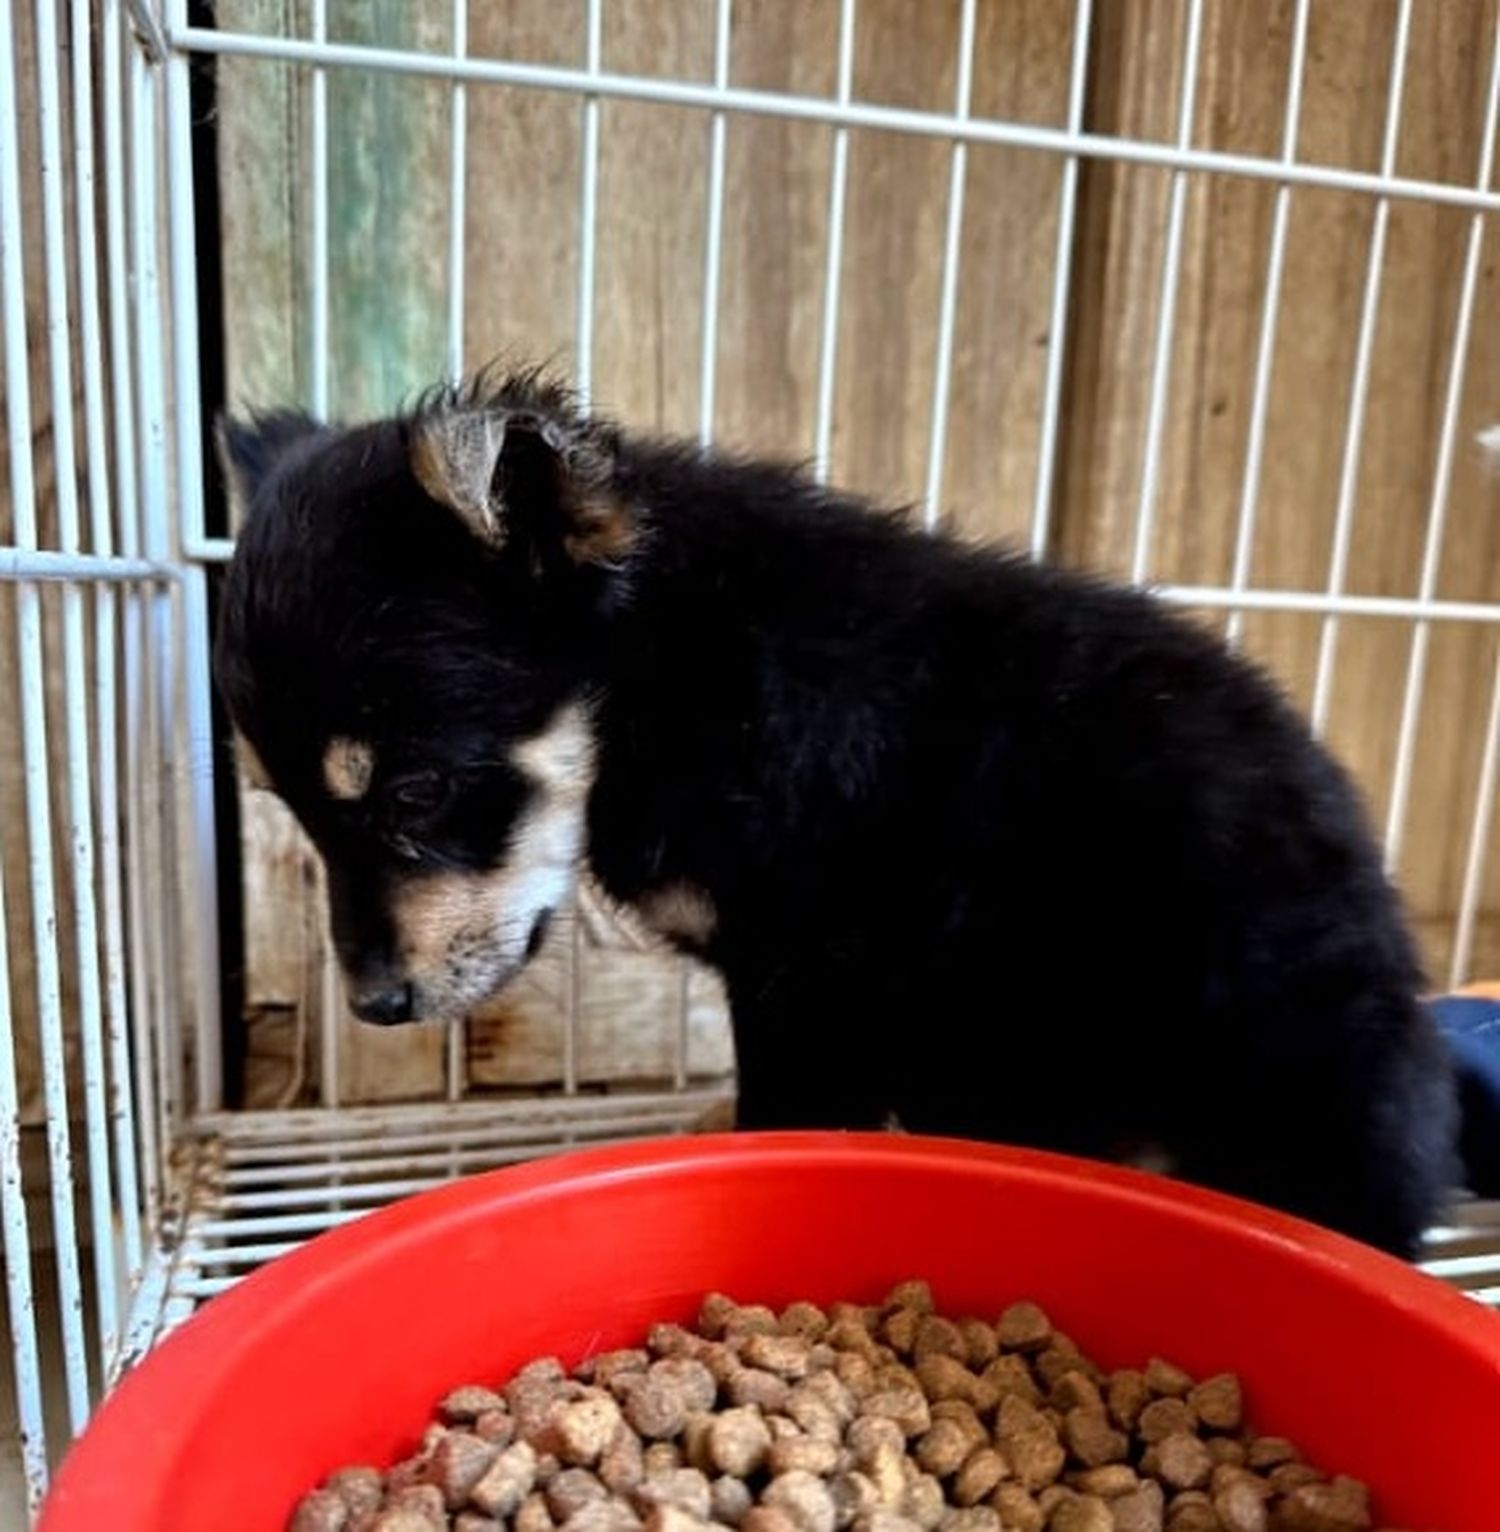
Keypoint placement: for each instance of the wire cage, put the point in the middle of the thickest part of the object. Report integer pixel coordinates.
(137, 1178)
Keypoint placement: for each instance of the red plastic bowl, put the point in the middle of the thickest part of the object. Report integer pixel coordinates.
(338, 1352)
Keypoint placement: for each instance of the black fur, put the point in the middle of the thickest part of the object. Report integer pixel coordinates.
(1002, 850)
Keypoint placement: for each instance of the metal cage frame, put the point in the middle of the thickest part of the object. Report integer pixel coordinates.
(181, 1197)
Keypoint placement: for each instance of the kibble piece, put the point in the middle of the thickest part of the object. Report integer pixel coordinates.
(981, 1472)
(785, 1355)
(458, 1463)
(905, 1406)
(767, 1518)
(1166, 1380)
(871, 1434)
(655, 1406)
(827, 1389)
(738, 1441)
(407, 1472)
(882, 1520)
(672, 1518)
(622, 1463)
(1270, 1452)
(544, 1376)
(714, 1314)
(944, 1377)
(937, 1336)
(1029, 1443)
(467, 1403)
(532, 1515)
(1228, 1450)
(847, 1333)
(894, 1374)
(570, 1489)
(497, 1426)
(1073, 1389)
(581, 1429)
(472, 1521)
(728, 1499)
(421, 1500)
(1010, 1375)
(1240, 1508)
(1053, 1496)
(686, 1488)
(809, 1454)
(1163, 1418)
(1218, 1402)
(604, 1369)
(1289, 1476)
(899, 1330)
(321, 1511)
(856, 1372)
(1226, 1474)
(923, 1501)
(1107, 1481)
(1091, 1439)
(804, 1498)
(1193, 1513)
(694, 1383)
(1142, 1510)
(669, 1340)
(943, 1447)
(804, 1319)
(403, 1518)
(1182, 1461)
(750, 1319)
(1342, 1505)
(1081, 1513)
(890, 1473)
(1127, 1395)
(1060, 1358)
(695, 1440)
(507, 1481)
(609, 1515)
(974, 1518)
(359, 1487)
(1023, 1327)
(751, 1385)
(1018, 1509)
(963, 1415)
(854, 1496)
(981, 1344)
(814, 1417)
(915, 1294)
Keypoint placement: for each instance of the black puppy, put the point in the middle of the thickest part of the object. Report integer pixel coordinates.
(1007, 852)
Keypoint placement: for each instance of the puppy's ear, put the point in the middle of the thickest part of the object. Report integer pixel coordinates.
(248, 449)
(518, 477)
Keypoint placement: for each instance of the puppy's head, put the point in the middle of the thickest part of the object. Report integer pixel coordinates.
(405, 643)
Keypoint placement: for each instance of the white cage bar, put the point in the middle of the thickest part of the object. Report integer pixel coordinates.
(149, 1197)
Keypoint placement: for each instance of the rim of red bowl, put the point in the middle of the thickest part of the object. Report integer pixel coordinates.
(189, 1364)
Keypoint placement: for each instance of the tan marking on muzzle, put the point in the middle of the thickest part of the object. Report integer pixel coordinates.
(454, 930)
(680, 912)
(348, 766)
(252, 768)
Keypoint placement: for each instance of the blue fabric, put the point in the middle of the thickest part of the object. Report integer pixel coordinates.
(1472, 1029)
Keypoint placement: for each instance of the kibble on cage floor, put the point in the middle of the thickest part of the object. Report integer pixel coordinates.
(1200, 304)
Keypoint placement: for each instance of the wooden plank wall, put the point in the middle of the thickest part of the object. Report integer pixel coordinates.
(389, 176)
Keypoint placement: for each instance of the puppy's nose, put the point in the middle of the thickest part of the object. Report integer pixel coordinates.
(386, 1006)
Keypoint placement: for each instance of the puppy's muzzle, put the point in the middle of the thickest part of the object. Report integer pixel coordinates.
(386, 1006)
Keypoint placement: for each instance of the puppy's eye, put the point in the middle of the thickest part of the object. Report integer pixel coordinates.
(417, 795)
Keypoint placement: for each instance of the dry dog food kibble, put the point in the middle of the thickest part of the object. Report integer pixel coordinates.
(888, 1418)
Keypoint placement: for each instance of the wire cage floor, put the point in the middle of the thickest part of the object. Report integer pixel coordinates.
(129, 1191)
